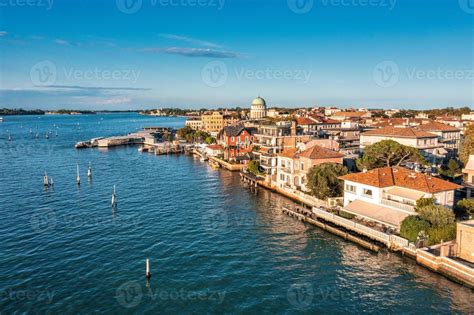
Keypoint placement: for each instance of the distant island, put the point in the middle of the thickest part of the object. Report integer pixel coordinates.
(20, 111)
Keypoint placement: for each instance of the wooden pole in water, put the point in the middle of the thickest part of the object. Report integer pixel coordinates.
(147, 267)
(78, 178)
(45, 179)
(89, 171)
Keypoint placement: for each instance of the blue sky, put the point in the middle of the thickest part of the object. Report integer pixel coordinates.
(125, 54)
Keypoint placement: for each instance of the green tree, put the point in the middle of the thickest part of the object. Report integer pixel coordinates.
(411, 226)
(186, 133)
(210, 140)
(424, 202)
(466, 206)
(437, 235)
(254, 167)
(467, 146)
(437, 216)
(323, 182)
(452, 169)
(388, 153)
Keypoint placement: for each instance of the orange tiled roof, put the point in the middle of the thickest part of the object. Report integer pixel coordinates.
(317, 152)
(350, 114)
(407, 132)
(402, 177)
(305, 121)
(397, 122)
(289, 153)
(215, 147)
(437, 126)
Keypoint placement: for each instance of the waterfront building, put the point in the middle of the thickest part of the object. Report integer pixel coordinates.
(212, 122)
(195, 124)
(425, 142)
(236, 142)
(465, 240)
(272, 140)
(293, 165)
(214, 150)
(388, 195)
(258, 109)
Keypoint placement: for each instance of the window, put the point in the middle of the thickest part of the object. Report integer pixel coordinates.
(232, 139)
(302, 166)
(368, 192)
(350, 188)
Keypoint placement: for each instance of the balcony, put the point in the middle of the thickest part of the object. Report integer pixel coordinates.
(398, 205)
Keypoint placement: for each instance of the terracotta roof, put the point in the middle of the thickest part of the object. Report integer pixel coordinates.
(289, 153)
(214, 147)
(331, 121)
(317, 152)
(397, 122)
(305, 121)
(437, 126)
(402, 177)
(407, 132)
(350, 114)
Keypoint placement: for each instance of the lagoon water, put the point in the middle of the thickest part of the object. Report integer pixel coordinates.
(214, 247)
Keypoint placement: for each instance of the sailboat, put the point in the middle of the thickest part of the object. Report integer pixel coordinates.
(114, 199)
(51, 182)
(78, 178)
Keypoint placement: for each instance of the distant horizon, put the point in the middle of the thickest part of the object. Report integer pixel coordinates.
(138, 109)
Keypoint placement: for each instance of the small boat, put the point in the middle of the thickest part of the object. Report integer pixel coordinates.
(1, 119)
(215, 165)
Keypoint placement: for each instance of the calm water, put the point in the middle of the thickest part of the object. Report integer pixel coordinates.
(214, 246)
